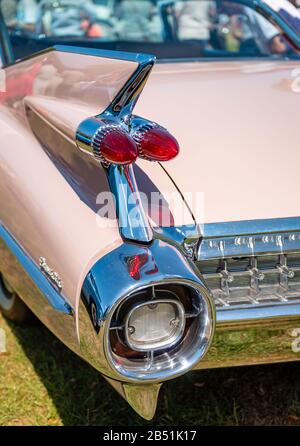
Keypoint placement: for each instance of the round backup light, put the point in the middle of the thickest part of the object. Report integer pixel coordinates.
(166, 319)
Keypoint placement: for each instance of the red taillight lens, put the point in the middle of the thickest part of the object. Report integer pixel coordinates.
(114, 146)
(156, 144)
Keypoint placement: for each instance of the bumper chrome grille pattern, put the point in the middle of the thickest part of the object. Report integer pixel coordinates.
(251, 270)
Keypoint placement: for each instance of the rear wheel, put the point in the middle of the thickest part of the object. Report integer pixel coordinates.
(11, 306)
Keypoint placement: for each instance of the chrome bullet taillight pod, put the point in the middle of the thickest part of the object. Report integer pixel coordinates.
(108, 141)
(112, 141)
(154, 142)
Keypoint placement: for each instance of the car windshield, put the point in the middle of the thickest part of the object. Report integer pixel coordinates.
(170, 29)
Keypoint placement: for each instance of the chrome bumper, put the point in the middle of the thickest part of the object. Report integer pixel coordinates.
(257, 335)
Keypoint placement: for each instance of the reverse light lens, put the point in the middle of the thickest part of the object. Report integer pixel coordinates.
(114, 146)
(156, 144)
(153, 326)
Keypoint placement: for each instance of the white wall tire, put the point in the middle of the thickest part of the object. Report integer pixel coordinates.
(11, 306)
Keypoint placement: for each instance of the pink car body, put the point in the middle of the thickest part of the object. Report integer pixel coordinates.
(232, 264)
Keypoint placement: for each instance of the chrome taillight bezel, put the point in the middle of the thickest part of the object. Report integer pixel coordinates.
(180, 356)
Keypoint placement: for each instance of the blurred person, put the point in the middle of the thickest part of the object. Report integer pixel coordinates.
(246, 31)
(27, 14)
(9, 11)
(275, 40)
(67, 18)
(194, 19)
(134, 19)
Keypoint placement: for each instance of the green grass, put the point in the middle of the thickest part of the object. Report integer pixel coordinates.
(43, 383)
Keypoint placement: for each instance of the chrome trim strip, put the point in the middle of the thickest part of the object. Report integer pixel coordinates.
(249, 238)
(249, 245)
(55, 299)
(133, 222)
(258, 314)
(249, 227)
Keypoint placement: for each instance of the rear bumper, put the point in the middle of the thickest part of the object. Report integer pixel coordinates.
(255, 335)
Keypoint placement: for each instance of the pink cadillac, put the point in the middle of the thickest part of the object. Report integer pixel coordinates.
(150, 213)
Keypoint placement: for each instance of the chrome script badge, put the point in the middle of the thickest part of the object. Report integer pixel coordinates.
(50, 273)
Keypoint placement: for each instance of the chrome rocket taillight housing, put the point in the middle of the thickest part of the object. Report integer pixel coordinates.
(113, 141)
(108, 141)
(154, 142)
(111, 144)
